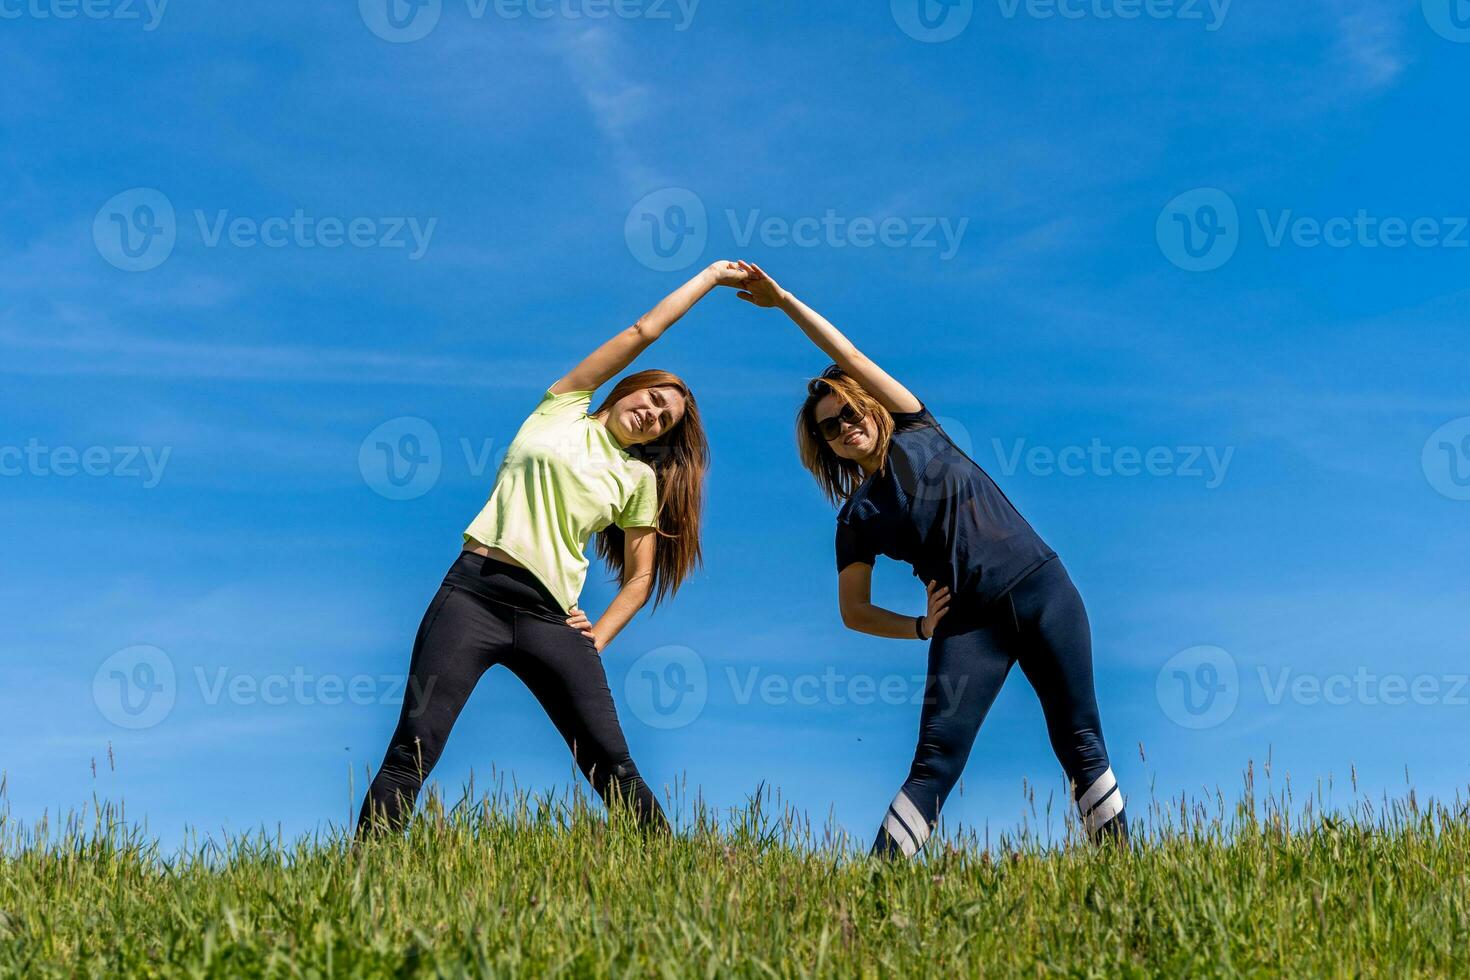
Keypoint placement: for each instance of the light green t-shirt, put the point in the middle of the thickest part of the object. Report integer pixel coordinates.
(563, 479)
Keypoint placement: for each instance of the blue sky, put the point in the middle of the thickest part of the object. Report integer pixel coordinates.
(1282, 574)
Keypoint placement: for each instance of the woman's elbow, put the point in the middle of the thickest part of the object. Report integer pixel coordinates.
(852, 616)
(639, 587)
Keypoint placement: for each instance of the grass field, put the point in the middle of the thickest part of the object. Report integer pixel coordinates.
(517, 887)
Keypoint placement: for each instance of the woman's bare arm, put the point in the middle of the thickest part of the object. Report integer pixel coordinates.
(639, 544)
(625, 346)
(761, 290)
(854, 598)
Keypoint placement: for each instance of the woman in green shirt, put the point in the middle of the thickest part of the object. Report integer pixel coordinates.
(632, 473)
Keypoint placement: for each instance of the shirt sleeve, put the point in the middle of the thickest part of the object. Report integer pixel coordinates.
(851, 548)
(641, 510)
(566, 403)
(903, 421)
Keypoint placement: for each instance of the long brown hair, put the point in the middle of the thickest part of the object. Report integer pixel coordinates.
(680, 459)
(838, 477)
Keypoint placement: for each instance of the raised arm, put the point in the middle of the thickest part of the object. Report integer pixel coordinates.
(616, 354)
(761, 290)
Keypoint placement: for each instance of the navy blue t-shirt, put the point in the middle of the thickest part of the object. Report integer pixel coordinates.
(935, 508)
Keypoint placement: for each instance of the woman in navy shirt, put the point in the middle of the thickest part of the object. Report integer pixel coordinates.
(997, 595)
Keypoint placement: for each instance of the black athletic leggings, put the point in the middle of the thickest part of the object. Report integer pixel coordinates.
(488, 612)
(1042, 625)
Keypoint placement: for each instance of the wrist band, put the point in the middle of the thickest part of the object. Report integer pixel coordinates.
(919, 627)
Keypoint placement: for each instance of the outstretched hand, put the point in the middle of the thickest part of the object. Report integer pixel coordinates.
(728, 273)
(760, 289)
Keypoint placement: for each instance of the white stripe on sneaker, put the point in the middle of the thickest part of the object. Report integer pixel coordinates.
(1103, 813)
(894, 828)
(1100, 787)
(906, 825)
(909, 814)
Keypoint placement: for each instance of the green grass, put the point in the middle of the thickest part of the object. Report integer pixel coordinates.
(522, 887)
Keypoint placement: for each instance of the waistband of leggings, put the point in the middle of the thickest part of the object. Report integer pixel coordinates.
(504, 583)
(967, 611)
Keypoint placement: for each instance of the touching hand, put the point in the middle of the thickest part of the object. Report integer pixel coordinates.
(938, 607)
(728, 274)
(760, 289)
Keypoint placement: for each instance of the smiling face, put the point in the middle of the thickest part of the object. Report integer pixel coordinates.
(644, 415)
(855, 440)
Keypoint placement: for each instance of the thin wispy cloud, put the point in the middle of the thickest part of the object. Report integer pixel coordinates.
(108, 351)
(1370, 45)
(617, 102)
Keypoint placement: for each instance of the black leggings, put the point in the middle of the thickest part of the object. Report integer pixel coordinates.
(488, 612)
(1042, 625)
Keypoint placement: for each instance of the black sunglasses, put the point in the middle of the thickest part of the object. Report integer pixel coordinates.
(819, 385)
(831, 428)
